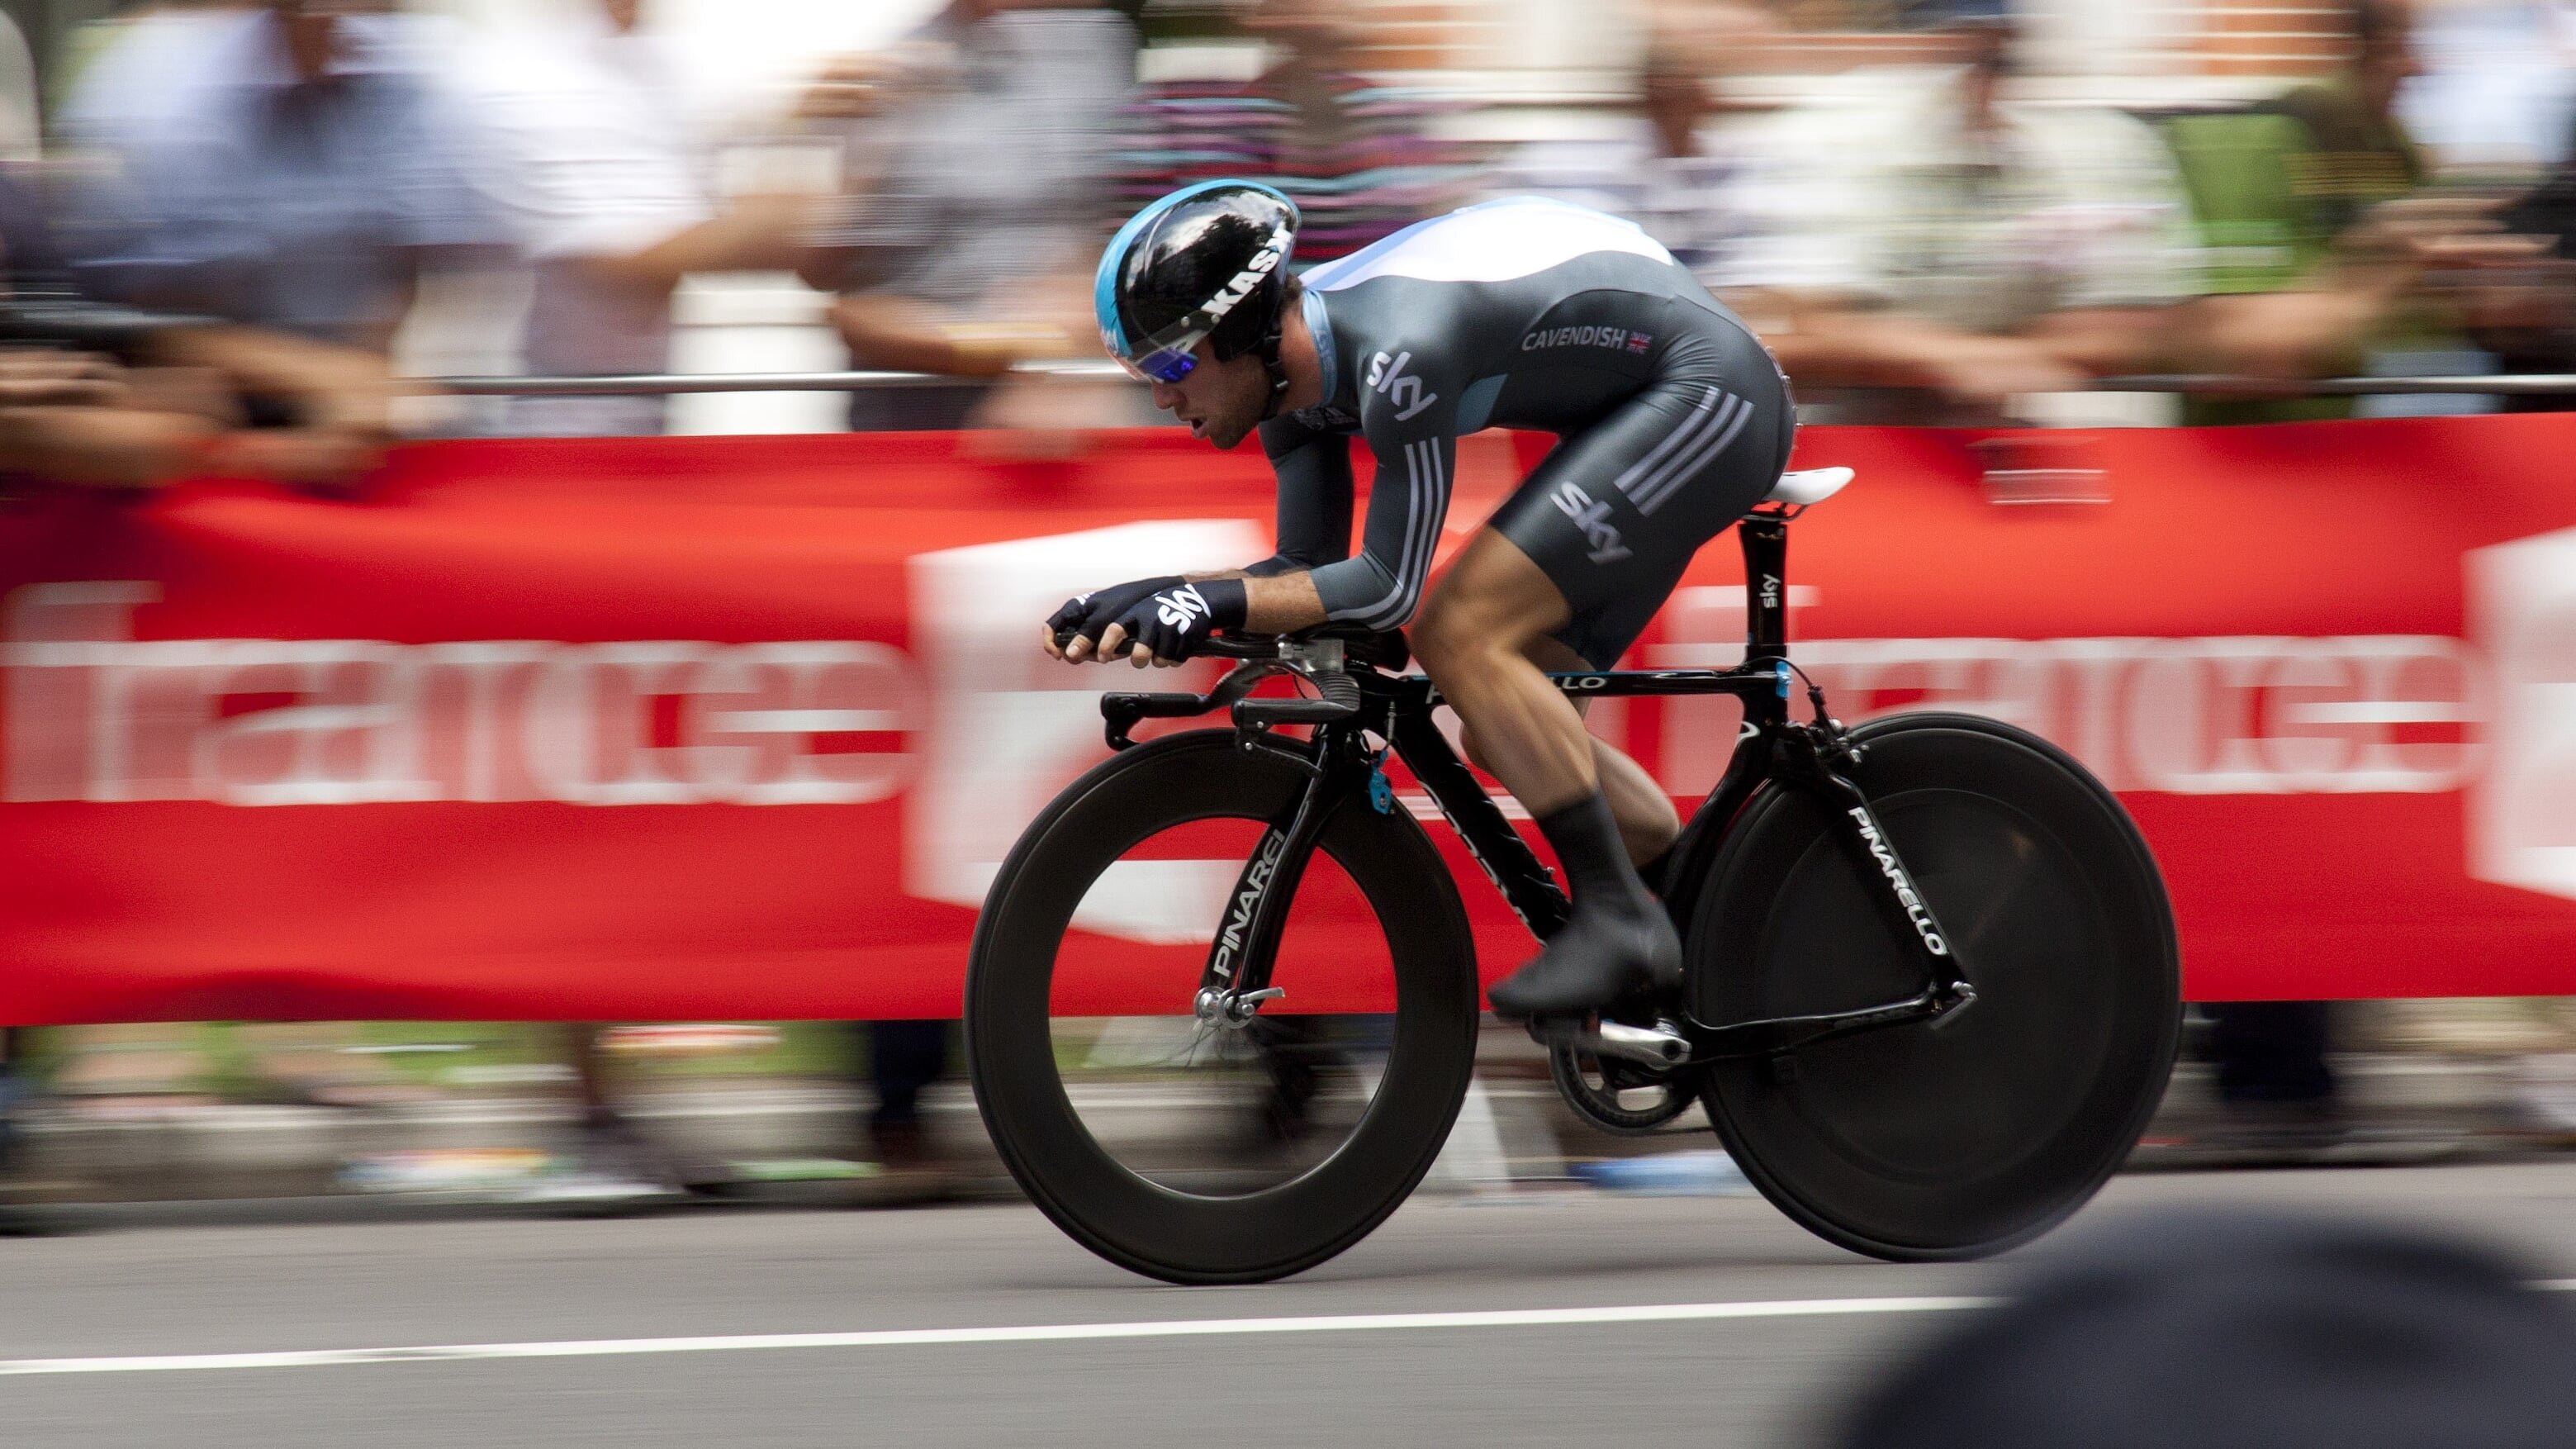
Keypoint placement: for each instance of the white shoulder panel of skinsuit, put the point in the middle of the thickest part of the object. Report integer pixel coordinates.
(1498, 241)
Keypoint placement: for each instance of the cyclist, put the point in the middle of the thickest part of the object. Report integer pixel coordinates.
(1522, 313)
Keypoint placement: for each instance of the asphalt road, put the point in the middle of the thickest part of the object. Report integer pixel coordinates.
(173, 1286)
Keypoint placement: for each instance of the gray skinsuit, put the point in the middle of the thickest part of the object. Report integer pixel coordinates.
(1536, 314)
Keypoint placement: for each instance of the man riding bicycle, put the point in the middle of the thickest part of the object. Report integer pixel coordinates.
(1521, 313)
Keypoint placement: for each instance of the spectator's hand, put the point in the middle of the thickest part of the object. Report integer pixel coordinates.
(125, 448)
(41, 377)
(197, 392)
(1983, 372)
(358, 406)
(1029, 416)
(2518, 308)
(2444, 233)
(860, 87)
(342, 398)
(323, 460)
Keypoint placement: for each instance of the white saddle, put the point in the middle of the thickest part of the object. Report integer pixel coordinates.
(1807, 488)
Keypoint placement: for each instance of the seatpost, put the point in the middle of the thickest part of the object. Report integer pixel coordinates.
(1766, 590)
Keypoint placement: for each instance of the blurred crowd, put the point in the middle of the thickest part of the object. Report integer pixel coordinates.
(236, 230)
(301, 200)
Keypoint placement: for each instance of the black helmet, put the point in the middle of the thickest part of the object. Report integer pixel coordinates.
(1208, 261)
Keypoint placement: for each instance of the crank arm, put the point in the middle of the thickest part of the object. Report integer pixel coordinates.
(1775, 1035)
(1654, 1046)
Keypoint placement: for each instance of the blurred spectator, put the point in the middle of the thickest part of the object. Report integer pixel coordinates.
(290, 166)
(110, 397)
(1353, 153)
(2244, 1332)
(904, 1059)
(2313, 254)
(2525, 312)
(105, 395)
(14, 1089)
(2315, 257)
(1953, 248)
(598, 158)
(601, 162)
(1669, 167)
(977, 152)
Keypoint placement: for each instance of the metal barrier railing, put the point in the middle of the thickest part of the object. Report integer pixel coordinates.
(677, 384)
(2527, 384)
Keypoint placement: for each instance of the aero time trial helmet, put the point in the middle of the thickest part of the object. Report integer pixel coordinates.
(1208, 262)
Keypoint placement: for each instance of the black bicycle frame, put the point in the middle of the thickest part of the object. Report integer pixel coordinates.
(1398, 709)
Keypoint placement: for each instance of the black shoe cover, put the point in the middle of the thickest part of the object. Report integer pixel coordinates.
(1617, 944)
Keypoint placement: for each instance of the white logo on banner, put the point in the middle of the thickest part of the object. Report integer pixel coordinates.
(1010, 727)
(2522, 815)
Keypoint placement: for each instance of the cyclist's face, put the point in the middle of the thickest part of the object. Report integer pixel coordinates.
(1221, 401)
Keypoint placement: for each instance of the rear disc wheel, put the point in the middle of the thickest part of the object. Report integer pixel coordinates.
(1963, 1137)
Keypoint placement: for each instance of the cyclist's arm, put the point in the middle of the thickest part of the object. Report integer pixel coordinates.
(1314, 468)
(1381, 586)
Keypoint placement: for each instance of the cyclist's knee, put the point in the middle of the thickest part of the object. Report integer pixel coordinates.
(1456, 630)
(1445, 637)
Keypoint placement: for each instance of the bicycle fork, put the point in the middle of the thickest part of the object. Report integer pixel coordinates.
(1236, 982)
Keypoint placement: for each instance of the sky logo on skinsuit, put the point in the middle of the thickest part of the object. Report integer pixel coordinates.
(1594, 519)
(1387, 375)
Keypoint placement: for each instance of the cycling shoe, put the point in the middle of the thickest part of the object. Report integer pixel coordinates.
(1617, 944)
(1602, 956)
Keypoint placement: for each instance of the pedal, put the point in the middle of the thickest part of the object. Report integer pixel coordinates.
(1655, 1046)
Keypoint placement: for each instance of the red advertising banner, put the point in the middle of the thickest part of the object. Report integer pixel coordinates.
(740, 727)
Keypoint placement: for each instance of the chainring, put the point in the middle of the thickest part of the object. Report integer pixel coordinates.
(1592, 1086)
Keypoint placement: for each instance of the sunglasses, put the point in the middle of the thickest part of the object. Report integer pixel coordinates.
(1169, 356)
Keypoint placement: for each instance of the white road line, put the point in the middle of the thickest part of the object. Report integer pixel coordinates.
(1043, 1333)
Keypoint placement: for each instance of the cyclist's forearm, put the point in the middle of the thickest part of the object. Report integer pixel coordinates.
(1282, 603)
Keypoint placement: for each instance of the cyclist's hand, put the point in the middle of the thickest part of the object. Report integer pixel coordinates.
(1073, 632)
(1170, 626)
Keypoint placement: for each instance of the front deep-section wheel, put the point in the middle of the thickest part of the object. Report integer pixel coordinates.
(1981, 1130)
(1214, 1153)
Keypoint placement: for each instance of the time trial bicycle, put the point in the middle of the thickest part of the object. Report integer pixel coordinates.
(1223, 1006)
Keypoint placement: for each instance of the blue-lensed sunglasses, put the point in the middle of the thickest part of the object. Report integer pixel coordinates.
(1170, 356)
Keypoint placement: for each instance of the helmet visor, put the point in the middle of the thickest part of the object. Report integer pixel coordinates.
(1169, 355)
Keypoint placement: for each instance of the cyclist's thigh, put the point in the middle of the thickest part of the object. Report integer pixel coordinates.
(1613, 516)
